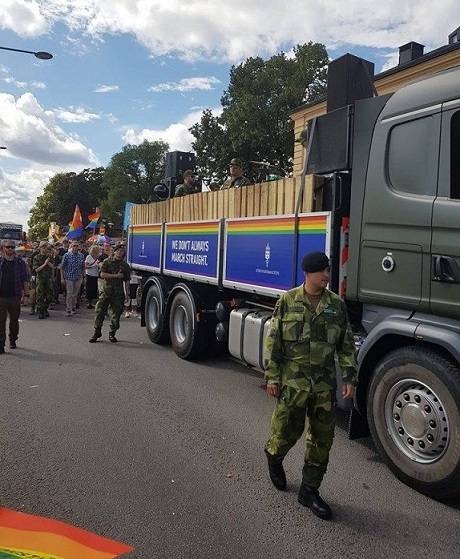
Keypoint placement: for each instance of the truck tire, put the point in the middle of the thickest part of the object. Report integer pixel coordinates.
(155, 320)
(187, 334)
(413, 410)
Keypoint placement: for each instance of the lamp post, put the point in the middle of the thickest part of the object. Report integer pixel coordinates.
(40, 54)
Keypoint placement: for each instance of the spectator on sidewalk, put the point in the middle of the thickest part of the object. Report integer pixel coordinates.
(13, 286)
(72, 270)
(92, 275)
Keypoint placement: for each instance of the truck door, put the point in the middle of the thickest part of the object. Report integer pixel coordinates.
(401, 183)
(445, 261)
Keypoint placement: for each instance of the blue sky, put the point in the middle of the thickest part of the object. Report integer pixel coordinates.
(125, 70)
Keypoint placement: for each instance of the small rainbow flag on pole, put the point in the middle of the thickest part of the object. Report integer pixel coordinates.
(75, 226)
(23, 536)
(93, 219)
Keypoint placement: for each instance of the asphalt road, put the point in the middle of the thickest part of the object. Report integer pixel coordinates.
(130, 442)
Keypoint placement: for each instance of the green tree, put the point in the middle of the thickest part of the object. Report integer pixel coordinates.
(131, 175)
(255, 123)
(63, 191)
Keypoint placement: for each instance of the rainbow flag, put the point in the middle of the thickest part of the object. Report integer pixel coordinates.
(93, 219)
(75, 226)
(23, 536)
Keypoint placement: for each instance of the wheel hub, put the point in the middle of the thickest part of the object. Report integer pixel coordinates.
(417, 421)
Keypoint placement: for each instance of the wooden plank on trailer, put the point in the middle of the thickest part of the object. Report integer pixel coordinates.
(225, 203)
(237, 197)
(272, 197)
(264, 198)
(256, 199)
(232, 193)
(307, 202)
(289, 196)
(214, 205)
(280, 197)
(250, 201)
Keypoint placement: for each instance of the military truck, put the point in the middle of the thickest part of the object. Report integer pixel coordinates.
(391, 223)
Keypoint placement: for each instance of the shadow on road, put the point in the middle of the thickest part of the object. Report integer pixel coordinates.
(35, 355)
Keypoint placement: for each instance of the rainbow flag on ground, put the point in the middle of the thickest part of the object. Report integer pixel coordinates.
(75, 226)
(93, 219)
(23, 536)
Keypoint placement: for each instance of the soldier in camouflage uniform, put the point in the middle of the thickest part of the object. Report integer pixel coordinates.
(43, 268)
(116, 273)
(236, 178)
(309, 327)
(187, 187)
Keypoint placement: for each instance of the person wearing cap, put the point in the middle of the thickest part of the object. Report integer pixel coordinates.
(236, 178)
(116, 273)
(308, 329)
(187, 187)
(43, 268)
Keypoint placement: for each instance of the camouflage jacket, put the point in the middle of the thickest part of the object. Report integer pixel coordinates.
(302, 343)
(114, 286)
(183, 190)
(39, 260)
(235, 183)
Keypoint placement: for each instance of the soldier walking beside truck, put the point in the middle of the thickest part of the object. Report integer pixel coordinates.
(309, 327)
(116, 273)
(43, 268)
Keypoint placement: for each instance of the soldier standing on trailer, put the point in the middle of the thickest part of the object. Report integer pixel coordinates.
(116, 273)
(236, 178)
(309, 327)
(188, 186)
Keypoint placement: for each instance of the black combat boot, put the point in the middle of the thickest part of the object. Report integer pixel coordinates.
(276, 472)
(2, 349)
(12, 344)
(112, 337)
(309, 497)
(47, 314)
(97, 334)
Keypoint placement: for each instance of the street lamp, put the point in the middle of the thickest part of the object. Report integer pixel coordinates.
(40, 54)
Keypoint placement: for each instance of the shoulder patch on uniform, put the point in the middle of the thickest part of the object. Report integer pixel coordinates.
(329, 310)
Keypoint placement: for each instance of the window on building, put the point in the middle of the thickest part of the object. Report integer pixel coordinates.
(455, 156)
(413, 156)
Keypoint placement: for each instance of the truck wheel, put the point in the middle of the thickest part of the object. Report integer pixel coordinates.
(155, 321)
(187, 334)
(413, 412)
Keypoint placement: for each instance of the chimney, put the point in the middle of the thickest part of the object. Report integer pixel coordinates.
(410, 51)
(454, 37)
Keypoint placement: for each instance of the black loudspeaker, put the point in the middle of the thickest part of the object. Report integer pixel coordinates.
(349, 78)
(177, 162)
(331, 142)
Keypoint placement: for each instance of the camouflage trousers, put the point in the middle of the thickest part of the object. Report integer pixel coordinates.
(116, 304)
(288, 424)
(44, 294)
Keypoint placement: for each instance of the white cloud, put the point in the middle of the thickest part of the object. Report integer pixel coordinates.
(106, 88)
(76, 115)
(392, 61)
(30, 132)
(19, 191)
(177, 135)
(233, 30)
(25, 17)
(187, 84)
(24, 85)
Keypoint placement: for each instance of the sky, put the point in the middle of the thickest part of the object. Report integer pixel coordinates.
(128, 70)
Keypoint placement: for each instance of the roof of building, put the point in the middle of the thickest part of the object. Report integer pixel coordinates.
(441, 51)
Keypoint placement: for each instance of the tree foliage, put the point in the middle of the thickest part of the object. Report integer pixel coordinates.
(131, 176)
(255, 123)
(63, 191)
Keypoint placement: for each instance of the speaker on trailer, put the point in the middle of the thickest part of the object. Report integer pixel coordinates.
(177, 162)
(349, 78)
(330, 142)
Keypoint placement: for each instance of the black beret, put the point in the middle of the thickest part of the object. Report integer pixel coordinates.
(315, 262)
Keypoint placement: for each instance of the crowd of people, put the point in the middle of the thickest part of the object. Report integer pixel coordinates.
(70, 269)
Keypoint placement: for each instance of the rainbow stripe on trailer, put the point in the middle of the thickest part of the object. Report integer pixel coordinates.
(144, 246)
